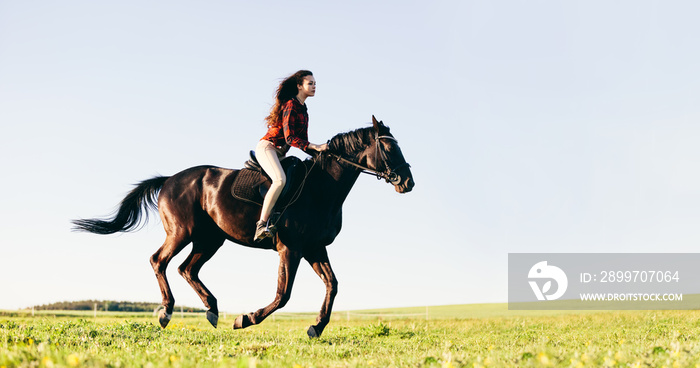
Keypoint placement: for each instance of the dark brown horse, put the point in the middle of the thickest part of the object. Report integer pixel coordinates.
(196, 206)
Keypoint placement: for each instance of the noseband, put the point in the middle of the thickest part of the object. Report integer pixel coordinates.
(389, 174)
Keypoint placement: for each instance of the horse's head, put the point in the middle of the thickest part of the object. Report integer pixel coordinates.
(373, 151)
(385, 157)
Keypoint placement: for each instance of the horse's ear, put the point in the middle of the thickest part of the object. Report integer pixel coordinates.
(375, 123)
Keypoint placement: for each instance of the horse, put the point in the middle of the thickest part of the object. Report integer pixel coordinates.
(196, 206)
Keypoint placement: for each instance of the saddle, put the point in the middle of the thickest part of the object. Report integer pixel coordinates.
(252, 183)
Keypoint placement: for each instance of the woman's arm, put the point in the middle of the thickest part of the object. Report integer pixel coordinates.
(295, 131)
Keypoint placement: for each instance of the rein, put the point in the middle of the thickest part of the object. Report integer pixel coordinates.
(389, 175)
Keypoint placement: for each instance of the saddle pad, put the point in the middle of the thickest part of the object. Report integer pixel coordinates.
(246, 186)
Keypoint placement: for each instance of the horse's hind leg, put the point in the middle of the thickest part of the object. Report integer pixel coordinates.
(159, 261)
(202, 251)
(289, 263)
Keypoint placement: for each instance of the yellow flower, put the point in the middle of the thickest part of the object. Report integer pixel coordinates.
(73, 360)
(47, 362)
(637, 364)
(173, 359)
(491, 347)
(609, 362)
(543, 358)
(298, 366)
(30, 341)
(676, 364)
(487, 361)
(618, 355)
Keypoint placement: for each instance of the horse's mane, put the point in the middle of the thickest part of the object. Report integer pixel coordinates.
(349, 144)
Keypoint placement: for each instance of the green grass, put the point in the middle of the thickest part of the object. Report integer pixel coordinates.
(486, 335)
(458, 311)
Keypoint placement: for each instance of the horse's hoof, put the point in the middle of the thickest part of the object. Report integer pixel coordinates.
(164, 318)
(312, 332)
(213, 318)
(241, 321)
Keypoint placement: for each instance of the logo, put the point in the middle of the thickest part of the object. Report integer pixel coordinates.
(543, 271)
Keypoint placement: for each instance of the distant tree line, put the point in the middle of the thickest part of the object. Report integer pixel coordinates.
(109, 306)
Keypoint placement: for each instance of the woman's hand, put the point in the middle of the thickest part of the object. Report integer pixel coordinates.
(319, 147)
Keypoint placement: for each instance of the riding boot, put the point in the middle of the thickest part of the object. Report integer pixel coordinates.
(261, 231)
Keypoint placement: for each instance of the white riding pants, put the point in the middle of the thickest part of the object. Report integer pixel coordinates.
(269, 158)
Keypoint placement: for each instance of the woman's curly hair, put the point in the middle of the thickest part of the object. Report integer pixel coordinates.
(285, 92)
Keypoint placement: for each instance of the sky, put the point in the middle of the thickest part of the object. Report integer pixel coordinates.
(539, 126)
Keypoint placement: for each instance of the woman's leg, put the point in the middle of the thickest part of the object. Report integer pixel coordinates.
(268, 159)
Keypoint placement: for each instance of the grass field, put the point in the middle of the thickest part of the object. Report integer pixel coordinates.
(486, 335)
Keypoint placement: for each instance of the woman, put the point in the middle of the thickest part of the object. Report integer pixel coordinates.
(287, 125)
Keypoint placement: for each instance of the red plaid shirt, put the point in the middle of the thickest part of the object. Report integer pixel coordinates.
(294, 129)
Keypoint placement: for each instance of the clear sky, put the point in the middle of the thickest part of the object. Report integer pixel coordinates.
(531, 126)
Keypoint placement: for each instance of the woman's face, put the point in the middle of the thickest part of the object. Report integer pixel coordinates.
(308, 86)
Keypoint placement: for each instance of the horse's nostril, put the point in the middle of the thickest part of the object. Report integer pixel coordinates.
(407, 186)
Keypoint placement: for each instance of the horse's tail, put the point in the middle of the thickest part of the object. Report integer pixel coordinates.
(133, 209)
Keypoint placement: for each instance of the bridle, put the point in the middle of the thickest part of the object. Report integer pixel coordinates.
(389, 174)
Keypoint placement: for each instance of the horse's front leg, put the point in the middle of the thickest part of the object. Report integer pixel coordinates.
(322, 266)
(289, 263)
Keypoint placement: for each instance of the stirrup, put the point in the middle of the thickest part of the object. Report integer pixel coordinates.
(271, 228)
